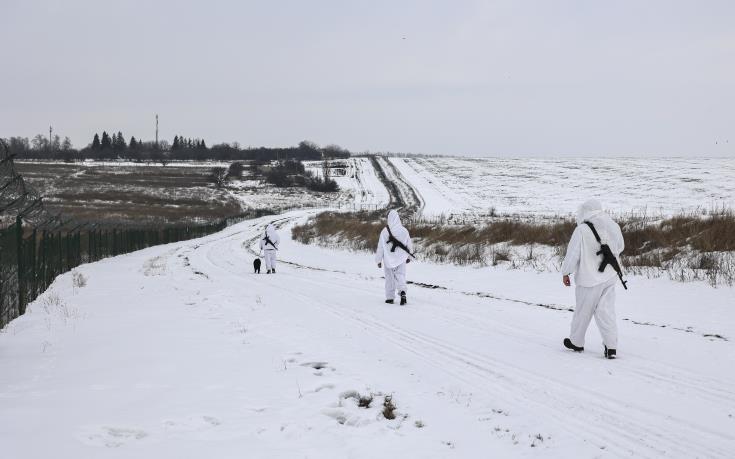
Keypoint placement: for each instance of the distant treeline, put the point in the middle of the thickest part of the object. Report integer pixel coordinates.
(115, 147)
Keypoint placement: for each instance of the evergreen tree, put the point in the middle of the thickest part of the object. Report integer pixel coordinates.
(106, 141)
(133, 145)
(121, 146)
(175, 145)
(96, 142)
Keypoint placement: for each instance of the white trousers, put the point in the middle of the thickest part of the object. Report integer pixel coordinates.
(597, 301)
(270, 259)
(395, 280)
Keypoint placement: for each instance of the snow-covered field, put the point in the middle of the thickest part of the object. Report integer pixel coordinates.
(359, 189)
(556, 186)
(357, 180)
(180, 351)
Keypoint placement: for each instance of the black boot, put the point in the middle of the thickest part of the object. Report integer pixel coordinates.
(274, 270)
(269, 271)
(389, 301)
(569, 345)
(610, 353)
(403, 298)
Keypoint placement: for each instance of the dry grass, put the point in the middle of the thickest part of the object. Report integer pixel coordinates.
(687, 247)
(389, 409)
(462, 245)
(714, 232)
(137, 195)
(358, 230)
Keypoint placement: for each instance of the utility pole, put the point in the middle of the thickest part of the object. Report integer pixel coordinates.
(156, 130)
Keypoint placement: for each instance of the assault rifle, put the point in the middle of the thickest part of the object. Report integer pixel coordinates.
(607, 256)
(268, 241)
(397, 243)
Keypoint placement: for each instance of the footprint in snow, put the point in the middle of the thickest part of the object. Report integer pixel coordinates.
(193, 423)
(111, 437)
(323, 387)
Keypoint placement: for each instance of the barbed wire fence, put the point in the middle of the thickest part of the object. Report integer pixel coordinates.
(37, 245)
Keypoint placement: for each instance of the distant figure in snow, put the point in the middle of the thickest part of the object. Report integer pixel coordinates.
(256, 265)
(394, 251)
(595, 291)
(268, 247)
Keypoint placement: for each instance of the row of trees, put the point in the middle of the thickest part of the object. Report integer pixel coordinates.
(39, 146)
(181, 143)
(115, 147)
(114, 142)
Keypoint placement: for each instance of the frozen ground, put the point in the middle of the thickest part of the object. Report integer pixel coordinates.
(555, 187)
(179, 351)
(359, 189)
(357, 180)
(126, 192)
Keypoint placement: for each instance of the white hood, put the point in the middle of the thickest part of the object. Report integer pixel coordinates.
(394, 221)
(270, 230)
(591, 211)
(587, 210)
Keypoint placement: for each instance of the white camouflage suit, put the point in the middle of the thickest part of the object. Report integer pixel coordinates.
(394, 262)
(268, 250)
(595, 291)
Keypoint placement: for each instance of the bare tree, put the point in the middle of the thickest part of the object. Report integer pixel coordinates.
(39, 142)
(218, 176)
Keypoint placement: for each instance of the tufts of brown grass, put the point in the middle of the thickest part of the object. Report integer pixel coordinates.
(686, 246)
(358, 230)
(389, 408)
(710, 233)
(365, 226)
(130, 195)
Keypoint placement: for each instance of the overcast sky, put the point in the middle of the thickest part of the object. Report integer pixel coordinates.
(490, 78)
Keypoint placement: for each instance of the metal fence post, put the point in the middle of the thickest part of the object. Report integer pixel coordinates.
(21, 274)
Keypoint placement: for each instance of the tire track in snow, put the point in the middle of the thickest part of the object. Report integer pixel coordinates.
(402, 194)
(482, 367)
(691, 381)
(488, 295)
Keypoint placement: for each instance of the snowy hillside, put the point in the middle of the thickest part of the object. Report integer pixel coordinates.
(357, 180)
(555, 187)
(180, 351)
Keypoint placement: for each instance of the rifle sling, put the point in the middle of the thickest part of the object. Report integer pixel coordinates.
(594, 231)
(396, 242)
